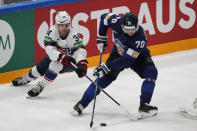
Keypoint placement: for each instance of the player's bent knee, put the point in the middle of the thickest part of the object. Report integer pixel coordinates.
(55, 66)
(154, 72)
(150, 80)
(151, 72)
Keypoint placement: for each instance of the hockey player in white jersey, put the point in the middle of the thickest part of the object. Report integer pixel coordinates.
(190, 112)
(63, 46)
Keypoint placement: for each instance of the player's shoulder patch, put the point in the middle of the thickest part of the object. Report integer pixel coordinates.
(132, 53)
(53, 33)
(51, 36)
(75, 38)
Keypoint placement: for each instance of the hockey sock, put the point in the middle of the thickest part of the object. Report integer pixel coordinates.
(30, 75)
(48, 78)
(147, 91)
(33, 74)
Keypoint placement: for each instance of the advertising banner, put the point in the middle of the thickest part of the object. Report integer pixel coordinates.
(163, 20)
(16, 41)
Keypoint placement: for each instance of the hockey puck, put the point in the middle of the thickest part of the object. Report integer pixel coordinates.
(103, 124)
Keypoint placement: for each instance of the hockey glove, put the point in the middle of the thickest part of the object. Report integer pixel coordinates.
(102, 43)
(101, 70)
(65, 59)
(82, 68)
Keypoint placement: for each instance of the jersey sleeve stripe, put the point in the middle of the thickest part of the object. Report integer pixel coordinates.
(53, 43)
(107, 17)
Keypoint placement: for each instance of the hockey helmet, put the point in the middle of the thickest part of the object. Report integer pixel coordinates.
(62, 17)
(130, 21)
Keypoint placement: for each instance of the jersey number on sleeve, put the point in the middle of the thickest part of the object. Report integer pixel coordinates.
(76, 37)
(114, 20)
(140, 44)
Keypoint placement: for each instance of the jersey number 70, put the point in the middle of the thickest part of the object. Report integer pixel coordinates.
(140, 44)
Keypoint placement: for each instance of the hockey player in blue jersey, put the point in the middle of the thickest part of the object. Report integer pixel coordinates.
(130, 51)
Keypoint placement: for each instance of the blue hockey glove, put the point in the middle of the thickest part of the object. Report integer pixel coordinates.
(101, 70)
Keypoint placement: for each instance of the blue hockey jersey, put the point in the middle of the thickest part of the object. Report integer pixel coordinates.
(133, 45)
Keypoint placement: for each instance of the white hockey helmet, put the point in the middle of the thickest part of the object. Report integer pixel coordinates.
(62, 17)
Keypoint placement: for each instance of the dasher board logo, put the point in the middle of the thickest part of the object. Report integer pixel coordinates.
(7, 43)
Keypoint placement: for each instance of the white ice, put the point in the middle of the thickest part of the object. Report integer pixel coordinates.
(176, 87)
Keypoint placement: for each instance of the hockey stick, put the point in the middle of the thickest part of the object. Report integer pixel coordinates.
(96, 84)
(130, 116)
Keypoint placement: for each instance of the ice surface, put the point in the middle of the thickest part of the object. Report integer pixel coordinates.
(176, 87)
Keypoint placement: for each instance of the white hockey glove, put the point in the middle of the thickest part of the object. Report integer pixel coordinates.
(102, 43)
(101, 70)
(195, 104)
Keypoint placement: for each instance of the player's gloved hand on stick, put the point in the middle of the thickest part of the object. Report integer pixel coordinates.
(101, 71)
(65, 59)
(82, 68)
(102, 43)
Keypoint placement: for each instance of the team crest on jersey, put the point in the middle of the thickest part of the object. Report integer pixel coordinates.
(135, 54)
(120, 50)
(132, 53)
(119, 46)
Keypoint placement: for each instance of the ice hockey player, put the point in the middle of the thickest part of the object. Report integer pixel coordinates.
(190, 112)
(63, 45)
(130, 51)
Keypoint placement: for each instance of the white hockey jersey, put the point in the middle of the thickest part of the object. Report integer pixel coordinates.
(72, 45)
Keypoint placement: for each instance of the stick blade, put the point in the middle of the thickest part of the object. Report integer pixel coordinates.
(91, 124)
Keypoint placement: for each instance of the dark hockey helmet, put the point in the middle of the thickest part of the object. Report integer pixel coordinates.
(130, 21)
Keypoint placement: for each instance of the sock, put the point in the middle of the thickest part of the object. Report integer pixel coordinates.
(147, 91)
(49, 77)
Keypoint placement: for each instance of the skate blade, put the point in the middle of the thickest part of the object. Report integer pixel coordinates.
(34, 98)
(143, 115)
(74, 113)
